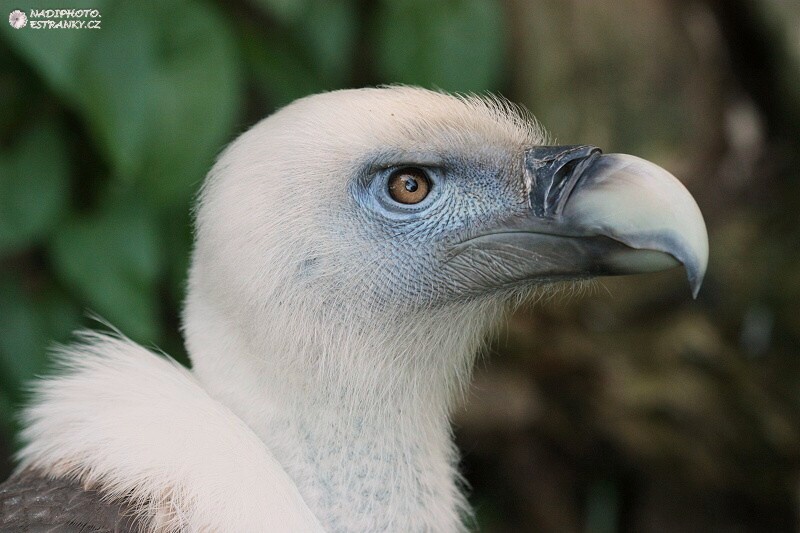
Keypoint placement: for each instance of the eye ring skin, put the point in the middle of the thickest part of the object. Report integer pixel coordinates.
(373, 192)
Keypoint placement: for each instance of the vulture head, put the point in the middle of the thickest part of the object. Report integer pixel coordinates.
(355, 248)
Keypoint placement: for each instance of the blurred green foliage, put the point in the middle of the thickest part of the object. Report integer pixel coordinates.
(634, 410)
(105, 137)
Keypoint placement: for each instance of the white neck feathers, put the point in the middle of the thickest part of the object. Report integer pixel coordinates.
(358, 418)
(140, 428)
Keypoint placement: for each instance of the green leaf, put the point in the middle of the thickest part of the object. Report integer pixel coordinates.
(158, 87)
(312, 51)
(18, 88)
(453, 45)
(197, 95)
(113, 84)
(34, 185)
(9, 424)
(286, 11)
(112, 260)
(32, 319)
(22, 337)
(162, 88)
(329, 32)
(177, 229)
(278, 70)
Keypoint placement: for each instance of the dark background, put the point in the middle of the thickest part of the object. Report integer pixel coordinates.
(627, 407)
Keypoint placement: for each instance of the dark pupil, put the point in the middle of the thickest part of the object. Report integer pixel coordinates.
(411, 184)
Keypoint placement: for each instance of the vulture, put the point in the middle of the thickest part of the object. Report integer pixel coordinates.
(353, 250)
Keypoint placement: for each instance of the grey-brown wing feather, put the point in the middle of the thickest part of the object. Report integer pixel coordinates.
(34, 503)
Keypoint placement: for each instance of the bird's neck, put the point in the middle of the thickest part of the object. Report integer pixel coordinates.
(358, 418)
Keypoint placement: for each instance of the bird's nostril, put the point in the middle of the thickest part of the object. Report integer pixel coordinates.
(561, 178)
(554, 171)
(568, 178)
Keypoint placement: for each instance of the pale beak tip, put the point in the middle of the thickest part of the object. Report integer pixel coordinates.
(643, 206)
(695, 276)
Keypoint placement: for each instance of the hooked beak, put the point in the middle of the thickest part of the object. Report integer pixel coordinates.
(593, 214)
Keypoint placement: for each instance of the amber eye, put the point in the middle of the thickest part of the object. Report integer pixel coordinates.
(409, 185)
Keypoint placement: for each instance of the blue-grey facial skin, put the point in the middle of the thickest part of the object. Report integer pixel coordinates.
(475, 235)
(469, 194)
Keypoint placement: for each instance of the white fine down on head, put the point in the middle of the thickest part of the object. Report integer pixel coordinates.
(140, 428)
(351, 392)
(330, 338)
